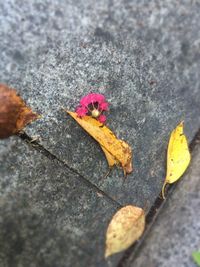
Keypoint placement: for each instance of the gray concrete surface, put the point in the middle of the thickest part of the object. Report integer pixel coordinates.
(48, 216)
(142, 55)
(176, 232)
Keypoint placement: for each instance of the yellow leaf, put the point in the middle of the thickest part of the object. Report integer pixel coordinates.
(178, 156)
(126, 226)
(110, 158)
(117, 152)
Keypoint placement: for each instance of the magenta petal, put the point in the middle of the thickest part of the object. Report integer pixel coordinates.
(103, 106)
(98, 98)
(92, 98)
(81, 111)
(102, 118)
(86, 100)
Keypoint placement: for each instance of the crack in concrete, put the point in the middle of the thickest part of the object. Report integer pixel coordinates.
(34, 144)
(153, 212)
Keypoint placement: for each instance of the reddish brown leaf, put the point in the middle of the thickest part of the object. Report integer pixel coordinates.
(14, 114)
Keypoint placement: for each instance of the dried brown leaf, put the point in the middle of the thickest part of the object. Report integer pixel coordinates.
(14, 114)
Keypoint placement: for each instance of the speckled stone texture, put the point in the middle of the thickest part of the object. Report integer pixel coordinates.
(142, 55)
(175, 235)
(48, 216)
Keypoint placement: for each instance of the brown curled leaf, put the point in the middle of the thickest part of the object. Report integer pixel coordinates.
(14, 114)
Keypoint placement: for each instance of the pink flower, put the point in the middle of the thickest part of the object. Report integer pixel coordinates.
(92, 98)
(81, 111)
(103, 106)
(93, 105)
(102, 118)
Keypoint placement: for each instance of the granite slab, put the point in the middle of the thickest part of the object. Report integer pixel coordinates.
(142, 55)
(48, 216)
(175, 234)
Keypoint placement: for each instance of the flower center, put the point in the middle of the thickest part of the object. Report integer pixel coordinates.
(95, 113)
